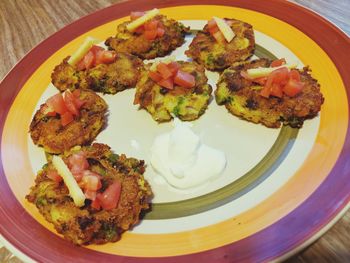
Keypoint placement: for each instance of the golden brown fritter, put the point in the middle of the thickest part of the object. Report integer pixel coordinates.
(136, 43)
(241, 97)
(205, 50)
(49, 133)
(185, 103)
(87, 225)
(107, 78)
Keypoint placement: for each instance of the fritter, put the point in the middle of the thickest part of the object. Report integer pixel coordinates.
(87, 225)
(48, 132)
(241, 97)
(106, 78)
(205, 50)
(135, 42)
(185, 103)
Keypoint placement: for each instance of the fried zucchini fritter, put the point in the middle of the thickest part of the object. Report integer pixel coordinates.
(87, 225)
(241, 97)
(48, 132)
(106, 78)
(205, 50)
(135, 43)
(185, 103)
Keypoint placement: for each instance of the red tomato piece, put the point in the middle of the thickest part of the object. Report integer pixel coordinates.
(96, 49)
(105, 57)
(278, 62)
(69, 100)
(213, 30)
(151, 25)
(294, 74)
(163, 69)
(212, 23)
(261, 81)
(184, 79)
(80, 65)
(279, 75)
(155, 76)
(160, 32)
(173, 67)
(110, 197)
(96, 204)
(136, 14)
(90, 182)
(90, 194)
(265, 91)
(66, 118)
(276, 90)
(56, 103)
(140, 29)
(166, 83)
(293, 87)
(219, 37)
(89, 60)
(76, 93)
(151, 34)
(79, 160)
(53, 175)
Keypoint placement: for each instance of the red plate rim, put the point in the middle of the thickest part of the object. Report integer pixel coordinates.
(272, 242)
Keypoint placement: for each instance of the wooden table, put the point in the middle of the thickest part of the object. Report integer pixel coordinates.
(25, 23)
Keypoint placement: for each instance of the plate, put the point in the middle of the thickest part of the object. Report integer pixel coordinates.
(281, 188)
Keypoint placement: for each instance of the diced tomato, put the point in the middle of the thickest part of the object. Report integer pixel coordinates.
(151, 34)
(184, 79)
(140, 29)
(294, 74)
(53, 175)
(163, 69)
(90, 182)
(136, 14)
(279, 75)
(96, 49)
(90, 194)
(110, 197)
(151, 25)
(167, 83)
(155, 76)
(56, 103)
(160, 32)
(219, 37)
(276, 90)
(78, 103)
(173, 67)
(80, 65)
(96, 204)
(76, 93)
(212, 23)
(105, 57)
(278, 62)
(89, 60)
(213, 30)
(69, 100)
(265, 91)
(66, 118)
(261, 81)
(78, 160)
(293, 87)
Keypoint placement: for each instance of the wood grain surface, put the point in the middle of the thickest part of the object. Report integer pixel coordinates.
(25, 23)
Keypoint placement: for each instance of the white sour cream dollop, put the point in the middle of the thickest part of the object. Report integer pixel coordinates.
(181, 158)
